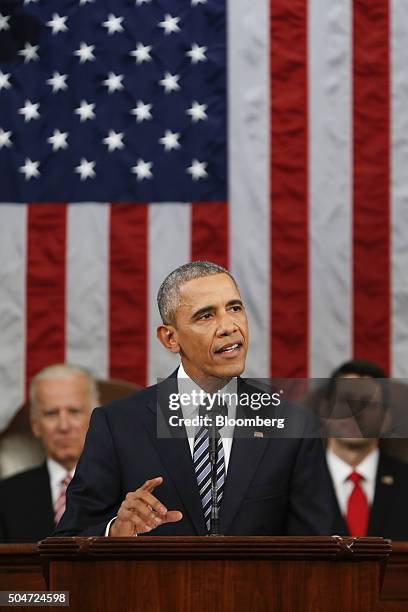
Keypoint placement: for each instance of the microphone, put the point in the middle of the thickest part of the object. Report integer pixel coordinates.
(218, 409)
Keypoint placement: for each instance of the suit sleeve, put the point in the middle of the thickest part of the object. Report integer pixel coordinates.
(94, 494)
(310, 510)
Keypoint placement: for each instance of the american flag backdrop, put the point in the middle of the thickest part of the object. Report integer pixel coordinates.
(270, 136)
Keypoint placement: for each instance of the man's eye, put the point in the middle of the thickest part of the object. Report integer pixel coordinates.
(206, 315)
(237, 308)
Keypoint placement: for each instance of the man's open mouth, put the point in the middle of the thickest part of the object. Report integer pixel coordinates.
(229, 348)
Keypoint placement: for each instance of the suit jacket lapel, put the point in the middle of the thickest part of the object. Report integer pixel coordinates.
(339, 522)
(246, 453)
(245, 457)
(175, 453)
(383, 498)
(45, 516)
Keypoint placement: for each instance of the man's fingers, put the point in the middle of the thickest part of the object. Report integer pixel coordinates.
(173, 516)
(151, 484)
(144, 510)
(141, 520)
(150, 501)
(141, 510)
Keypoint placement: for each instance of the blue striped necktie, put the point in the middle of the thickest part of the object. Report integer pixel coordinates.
(202, 466)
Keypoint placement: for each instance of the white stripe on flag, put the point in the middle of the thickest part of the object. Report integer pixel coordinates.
(87, 286)
(13, 251)
(399, 188)
(330, 180)
(249, 188)
(169, 246)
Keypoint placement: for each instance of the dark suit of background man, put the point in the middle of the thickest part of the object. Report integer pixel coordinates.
(61, 401)
(272, 486)
(374, 501)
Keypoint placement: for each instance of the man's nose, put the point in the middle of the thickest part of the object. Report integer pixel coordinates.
(227, 324)
(63, 421)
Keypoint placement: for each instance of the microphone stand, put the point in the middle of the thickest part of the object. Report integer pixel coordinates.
(213, 447)
(217, 409)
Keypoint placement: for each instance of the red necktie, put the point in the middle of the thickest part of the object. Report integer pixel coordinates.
(357, 508)
(59, 507)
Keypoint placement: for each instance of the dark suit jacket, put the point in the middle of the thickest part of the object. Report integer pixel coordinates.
(389, 511)
(273, 486)
(26, 510)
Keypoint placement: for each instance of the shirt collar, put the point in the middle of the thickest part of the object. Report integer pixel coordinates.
(368, 467)
(57, 472)
(187, 385)
(340, 470)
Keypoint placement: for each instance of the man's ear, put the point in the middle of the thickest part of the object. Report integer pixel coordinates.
(35, 427)
(167, 335)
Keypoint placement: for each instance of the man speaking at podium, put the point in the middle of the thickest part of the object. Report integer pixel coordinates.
(130, 480)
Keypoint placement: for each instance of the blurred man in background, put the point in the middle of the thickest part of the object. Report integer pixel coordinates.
(61, 401)
(370, 488)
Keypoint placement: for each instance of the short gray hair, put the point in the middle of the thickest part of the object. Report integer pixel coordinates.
(62, 370)
(168, 297)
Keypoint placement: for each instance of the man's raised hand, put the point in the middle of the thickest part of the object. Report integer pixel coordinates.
(140, 511)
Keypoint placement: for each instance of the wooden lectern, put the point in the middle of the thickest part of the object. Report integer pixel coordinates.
(217, 574)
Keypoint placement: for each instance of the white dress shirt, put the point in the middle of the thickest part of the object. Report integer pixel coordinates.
(340, 471)
(57, 474)
(187, 385)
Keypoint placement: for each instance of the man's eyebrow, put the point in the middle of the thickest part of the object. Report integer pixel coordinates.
(206, 309)
(202, 311)
(235, 303)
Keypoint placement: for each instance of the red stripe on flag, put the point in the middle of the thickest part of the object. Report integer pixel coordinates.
(210, 232)
(45, 286)
(128, 292)
(289, 181)
(371, 222)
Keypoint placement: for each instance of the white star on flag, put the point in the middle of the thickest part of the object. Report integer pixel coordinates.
(197, 170)
(170, 140)
(30, 169)
(142, 169)
(29, 110)
(57, 82)
(113, 82)
(57, 23)
(197, 54)
(4, 22)
(170, 24)
(4, 80)
(197, 2)
(58, 140)
(85, 111)
(29, 2)
(197, 112)
(85, 169)
(142, 111)
(82, 2)
(113, 24)
(85, 53)
(141, 53)
(140, 2)
(29, 52)
(170, 82)
(114, 140)
(5, 138)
